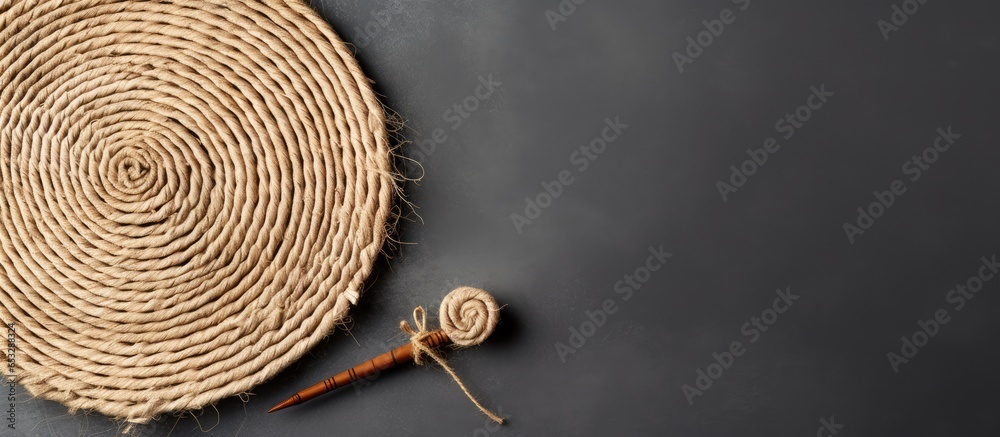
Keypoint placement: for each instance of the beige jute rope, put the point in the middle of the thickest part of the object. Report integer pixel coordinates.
(193, 193)
(468, 315)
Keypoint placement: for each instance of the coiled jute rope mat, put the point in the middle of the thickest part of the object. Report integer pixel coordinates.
(193, 193)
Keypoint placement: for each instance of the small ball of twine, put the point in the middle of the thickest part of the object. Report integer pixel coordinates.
(468, 315)
(192, 193)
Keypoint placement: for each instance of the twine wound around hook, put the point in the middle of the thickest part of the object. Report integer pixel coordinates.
(468, 316)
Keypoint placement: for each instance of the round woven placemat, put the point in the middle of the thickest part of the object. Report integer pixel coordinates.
(193, 193)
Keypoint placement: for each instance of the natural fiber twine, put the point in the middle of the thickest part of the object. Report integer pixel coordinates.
(193, 193)
(468, 316)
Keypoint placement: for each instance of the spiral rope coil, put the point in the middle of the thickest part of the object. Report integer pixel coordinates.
(468, 315)
(193, 192)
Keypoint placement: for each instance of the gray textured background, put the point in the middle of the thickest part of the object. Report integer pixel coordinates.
(656, 185)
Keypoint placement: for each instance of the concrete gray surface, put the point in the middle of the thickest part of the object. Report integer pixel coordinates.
(601, 337)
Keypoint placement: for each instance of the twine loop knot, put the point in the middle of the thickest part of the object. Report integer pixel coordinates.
(418, 337)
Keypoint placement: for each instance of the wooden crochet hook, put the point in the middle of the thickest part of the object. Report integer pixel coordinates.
(398, 356)
(468, 315)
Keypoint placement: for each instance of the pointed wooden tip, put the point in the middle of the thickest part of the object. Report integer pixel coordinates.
(285, 404)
